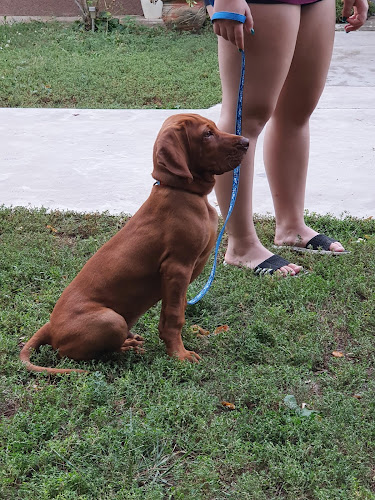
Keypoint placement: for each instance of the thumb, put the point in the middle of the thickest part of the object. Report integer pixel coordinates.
(347, 9)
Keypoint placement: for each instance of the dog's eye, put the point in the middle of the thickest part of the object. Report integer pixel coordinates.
(208, 133)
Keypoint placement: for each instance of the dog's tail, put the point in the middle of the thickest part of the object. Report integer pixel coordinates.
(41, 337)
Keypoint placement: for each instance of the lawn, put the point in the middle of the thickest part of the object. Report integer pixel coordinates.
(49, 65)
(152, 427)
(148, 426)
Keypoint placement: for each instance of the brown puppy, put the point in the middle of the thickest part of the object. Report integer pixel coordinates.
(155, 256)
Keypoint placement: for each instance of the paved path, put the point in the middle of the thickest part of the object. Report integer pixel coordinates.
(96, 160)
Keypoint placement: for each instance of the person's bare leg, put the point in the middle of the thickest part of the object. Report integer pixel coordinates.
(287, 139)
(268, 57)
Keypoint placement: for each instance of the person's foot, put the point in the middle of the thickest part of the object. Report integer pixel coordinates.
(247, 252)
(300, 238)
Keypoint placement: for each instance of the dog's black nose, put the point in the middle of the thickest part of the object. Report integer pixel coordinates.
(244, 143)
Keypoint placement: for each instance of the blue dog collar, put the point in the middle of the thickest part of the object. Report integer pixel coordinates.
(233, 16)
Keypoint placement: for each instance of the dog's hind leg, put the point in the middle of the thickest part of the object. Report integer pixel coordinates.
(96, 333)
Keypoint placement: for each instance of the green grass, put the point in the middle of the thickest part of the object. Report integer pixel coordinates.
(150, 427)
(52, 65)
(56, 65)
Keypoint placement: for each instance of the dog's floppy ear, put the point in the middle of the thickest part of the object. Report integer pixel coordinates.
(171, 156)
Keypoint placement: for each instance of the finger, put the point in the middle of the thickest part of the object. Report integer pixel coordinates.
(220, 30)
(354, 23)
(216, 27)
(360, 13)
(227, 30)
(354, 27)
(249, 22)
(231, 35)
(348, 7)
(239, 38)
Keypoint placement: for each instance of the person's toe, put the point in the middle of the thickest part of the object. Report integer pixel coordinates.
(336, 247)
(294, 269)
(291, 269)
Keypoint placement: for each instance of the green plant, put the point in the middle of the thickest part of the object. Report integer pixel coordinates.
(149, 427)
(106, 22)
(83, 6)
(95, 20)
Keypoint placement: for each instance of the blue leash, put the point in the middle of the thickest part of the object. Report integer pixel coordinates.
(236, 171)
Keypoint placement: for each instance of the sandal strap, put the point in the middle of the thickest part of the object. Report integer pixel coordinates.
(270, 265)
(320, 241)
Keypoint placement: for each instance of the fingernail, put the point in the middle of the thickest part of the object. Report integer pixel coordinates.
(252, 31)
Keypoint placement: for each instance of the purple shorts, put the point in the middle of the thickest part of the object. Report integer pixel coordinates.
(292, 2)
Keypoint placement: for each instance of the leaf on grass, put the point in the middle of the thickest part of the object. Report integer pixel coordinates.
(291, 402)
(199, 330)
(337, 354)
(52, 229)
(357, 396)
(220, 329)
(305, 412)
(229, 406)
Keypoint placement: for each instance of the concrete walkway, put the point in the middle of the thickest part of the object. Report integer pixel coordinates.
(96, 160)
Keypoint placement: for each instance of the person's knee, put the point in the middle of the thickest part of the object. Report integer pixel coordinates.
(297, 121)
(255, 118)
(295, 115)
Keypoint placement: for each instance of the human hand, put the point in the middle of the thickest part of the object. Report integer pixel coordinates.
(233, 31)
(355, 21)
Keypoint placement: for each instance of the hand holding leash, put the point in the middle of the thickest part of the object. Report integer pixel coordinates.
(230, 18)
